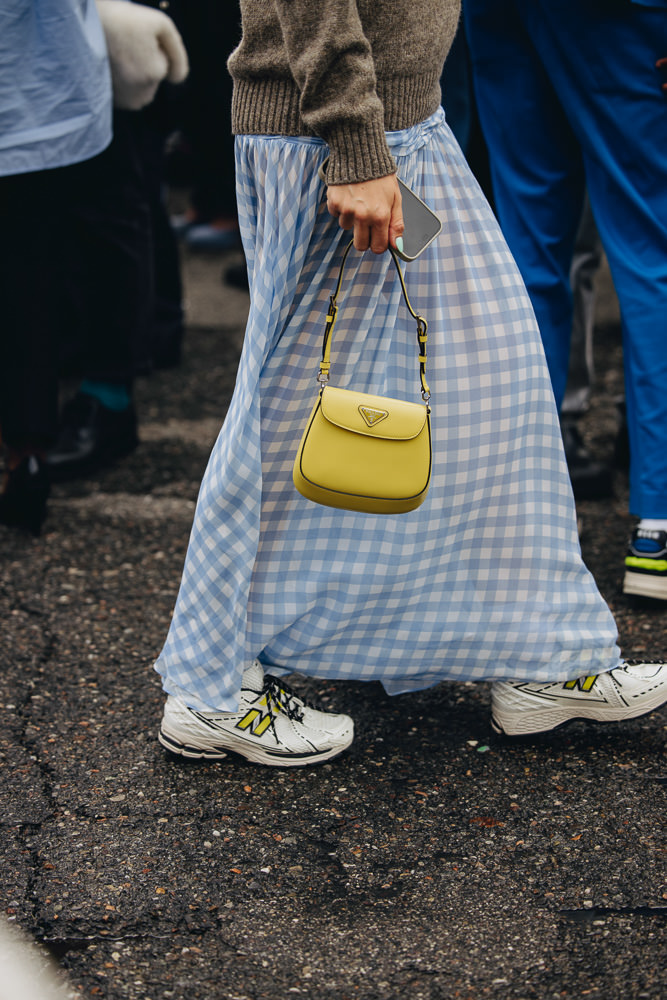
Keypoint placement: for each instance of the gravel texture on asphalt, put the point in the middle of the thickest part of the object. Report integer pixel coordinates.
(433, 860)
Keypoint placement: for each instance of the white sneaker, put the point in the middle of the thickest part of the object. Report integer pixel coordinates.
(623, 693)
(271, 726)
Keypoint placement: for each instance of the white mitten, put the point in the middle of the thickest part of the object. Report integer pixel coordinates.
(144, 48)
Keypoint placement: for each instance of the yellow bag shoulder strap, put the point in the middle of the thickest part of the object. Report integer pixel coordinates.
(422, 326)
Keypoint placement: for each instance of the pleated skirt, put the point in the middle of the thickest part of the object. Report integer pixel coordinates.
(485, 580)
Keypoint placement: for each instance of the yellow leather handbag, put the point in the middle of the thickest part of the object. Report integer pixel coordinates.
(363, 452)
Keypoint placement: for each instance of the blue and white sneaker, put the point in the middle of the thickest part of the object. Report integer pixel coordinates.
(646, 564)
(272, 726)
(634, 689)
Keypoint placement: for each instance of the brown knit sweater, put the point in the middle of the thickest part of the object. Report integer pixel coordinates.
(344, 70)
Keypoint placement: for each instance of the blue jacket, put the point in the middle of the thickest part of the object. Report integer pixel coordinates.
(55, 86)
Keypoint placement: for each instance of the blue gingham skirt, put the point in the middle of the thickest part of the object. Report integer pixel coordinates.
(485, 580)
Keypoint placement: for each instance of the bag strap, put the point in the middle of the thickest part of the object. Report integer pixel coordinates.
(422, 327)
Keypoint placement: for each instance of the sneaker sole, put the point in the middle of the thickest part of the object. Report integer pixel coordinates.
(256, 755)
(544, 721)
(645, 585)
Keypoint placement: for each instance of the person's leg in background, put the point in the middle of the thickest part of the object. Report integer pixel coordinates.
(602, 61)
(158, 120)
(591, 479)
(538, 186)
(211, 31)
(586, 262)
(28, 342)
(107, 297)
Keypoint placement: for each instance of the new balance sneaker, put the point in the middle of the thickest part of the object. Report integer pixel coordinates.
(623, 693)
(272, 726)
(646, 564)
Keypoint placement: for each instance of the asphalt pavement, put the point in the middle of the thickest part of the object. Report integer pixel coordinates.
(433, 860)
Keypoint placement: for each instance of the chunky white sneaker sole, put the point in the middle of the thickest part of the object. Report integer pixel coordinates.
(272, 727)
(519, 709)
(646, 564)
(645, 585)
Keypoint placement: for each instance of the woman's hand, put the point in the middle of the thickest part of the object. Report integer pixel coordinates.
(371, 208)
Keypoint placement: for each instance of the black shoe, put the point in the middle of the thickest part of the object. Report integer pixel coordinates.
(91, 436)
(26, 490)
(591, 480)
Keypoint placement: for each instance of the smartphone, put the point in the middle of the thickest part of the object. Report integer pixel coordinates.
(422, 225)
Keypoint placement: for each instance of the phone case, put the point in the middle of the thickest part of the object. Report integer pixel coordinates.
(422, 225)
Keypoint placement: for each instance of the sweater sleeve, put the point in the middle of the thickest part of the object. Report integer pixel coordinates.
(332, 63)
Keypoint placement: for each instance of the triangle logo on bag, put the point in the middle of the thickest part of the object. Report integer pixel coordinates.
(371, 416)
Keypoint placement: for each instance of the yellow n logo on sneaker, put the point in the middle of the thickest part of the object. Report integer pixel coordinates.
(257, 722)
(582, 683)
(371, 416)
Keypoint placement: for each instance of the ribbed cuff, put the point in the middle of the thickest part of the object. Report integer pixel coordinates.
(358, 154)
(266, 107)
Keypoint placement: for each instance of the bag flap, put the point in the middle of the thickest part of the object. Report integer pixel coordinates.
(373, 416)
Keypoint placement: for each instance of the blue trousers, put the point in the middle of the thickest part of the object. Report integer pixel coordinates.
(570, 98)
